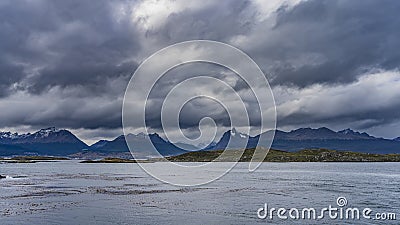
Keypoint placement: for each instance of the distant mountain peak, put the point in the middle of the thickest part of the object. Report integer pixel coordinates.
(348, 131)
(47, 141)
(99, 144)
(141, 143)
(141, 134)
(233, 131)
(324, 129)
(8, 135)
(305, 129)
(154, 135)
(233, 137)
(49, 129)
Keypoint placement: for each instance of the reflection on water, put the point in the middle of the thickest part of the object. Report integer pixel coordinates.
(73, 193)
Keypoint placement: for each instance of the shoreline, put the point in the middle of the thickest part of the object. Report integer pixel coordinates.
(309, 155)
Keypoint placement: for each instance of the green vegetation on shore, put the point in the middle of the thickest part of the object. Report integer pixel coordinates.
(312, 155)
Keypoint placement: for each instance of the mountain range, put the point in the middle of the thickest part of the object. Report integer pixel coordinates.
(61, 142)
(308, 138)
(50, 141)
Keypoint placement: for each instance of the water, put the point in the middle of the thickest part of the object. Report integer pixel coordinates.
(73, 193)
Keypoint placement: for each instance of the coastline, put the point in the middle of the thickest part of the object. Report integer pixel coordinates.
(309, 155)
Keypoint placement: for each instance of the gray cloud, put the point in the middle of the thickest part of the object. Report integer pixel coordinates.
(73, 43)
(64, 64)
(371, 101)
(67, 63)
(215, 22)
(328, 41)
(198, 108)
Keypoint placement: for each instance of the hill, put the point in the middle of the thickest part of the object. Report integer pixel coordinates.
(310, 155)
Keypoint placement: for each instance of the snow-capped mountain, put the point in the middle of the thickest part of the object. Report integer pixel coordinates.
(49, 141)
(48, 135)
(8, 136)
(234, 138)
(351, 134)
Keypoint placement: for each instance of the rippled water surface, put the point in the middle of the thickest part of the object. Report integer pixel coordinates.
(70, 192)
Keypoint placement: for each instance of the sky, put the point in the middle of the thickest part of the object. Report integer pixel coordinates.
(330, 63)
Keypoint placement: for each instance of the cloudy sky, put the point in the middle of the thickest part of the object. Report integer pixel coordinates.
(330, 62)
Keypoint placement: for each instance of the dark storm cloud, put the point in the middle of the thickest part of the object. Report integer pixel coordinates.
(193, 111)
(362, 120)
(12, 73)
(201, 107)
(328, 41)
(66, 43)
(336, 43)
(214, 22)
(371, 101)
(67, 63)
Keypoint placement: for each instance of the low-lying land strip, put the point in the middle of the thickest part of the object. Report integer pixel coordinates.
(31, 159)
(312, 155)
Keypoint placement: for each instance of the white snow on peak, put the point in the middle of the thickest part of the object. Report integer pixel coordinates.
(46, 132)
(50, 129)
(235, 132)
(347, 131)
(9, 135)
